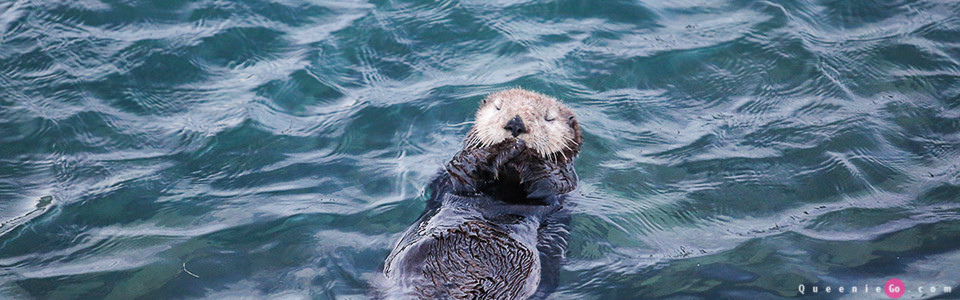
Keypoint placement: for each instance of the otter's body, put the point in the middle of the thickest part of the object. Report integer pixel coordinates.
(494, 226)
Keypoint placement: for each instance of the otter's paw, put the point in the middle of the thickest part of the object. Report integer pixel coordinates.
(507, 151)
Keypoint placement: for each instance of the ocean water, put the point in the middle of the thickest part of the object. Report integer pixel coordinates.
(277, 149)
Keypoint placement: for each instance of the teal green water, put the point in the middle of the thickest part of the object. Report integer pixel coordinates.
(245, 148)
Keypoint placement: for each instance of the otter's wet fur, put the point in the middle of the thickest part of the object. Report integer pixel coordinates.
(495, 226)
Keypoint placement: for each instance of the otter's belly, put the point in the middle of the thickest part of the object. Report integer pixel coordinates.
(471, 258)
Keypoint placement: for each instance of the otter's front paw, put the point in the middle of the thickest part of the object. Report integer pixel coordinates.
(519, 146)
(506, 151)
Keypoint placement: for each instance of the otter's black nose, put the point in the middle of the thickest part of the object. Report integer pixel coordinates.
(515, 126)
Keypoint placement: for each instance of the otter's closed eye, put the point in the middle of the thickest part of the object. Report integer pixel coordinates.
(550, 116)
(496, 103)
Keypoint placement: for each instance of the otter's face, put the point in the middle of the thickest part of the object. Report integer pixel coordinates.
(542, 122)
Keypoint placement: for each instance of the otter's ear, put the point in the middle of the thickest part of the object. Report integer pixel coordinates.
(572, 121)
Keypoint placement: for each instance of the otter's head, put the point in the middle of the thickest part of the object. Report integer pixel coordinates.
(547, 127)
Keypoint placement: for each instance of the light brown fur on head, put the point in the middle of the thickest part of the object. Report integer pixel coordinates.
(551, 128)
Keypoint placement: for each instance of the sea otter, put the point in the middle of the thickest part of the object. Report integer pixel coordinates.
(494, 226)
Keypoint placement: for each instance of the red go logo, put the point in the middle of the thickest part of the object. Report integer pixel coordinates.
(894, 288)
